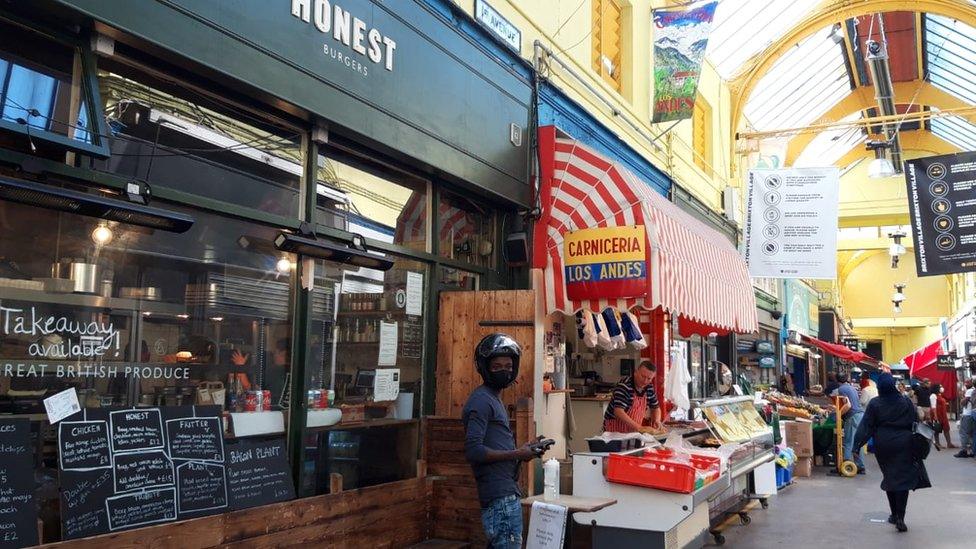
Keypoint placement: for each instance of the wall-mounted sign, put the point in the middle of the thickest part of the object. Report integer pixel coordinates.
(351, 42)
(946, 362)
(505, 30)
(791, 223)
(940, 200)
(606, 262)
(767, 362)
(765, 347)
(851, 343)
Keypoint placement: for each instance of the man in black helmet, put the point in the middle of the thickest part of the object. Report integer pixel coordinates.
(489, 445)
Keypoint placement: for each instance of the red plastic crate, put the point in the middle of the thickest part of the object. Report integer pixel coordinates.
(660, 472)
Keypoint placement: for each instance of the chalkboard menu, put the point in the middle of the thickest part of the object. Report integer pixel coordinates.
(18, 514)
(123, 469)
(257, 473)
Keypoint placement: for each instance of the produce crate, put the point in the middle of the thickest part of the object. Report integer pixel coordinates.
(663, 472)
(784, 476)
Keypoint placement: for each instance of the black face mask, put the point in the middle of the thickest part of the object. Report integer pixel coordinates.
(500, 379)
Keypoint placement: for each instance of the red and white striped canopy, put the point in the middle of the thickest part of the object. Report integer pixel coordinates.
(694, 271)
(455, 224)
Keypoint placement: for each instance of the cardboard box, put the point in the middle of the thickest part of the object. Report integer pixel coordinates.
(799, 436)
(803, 467)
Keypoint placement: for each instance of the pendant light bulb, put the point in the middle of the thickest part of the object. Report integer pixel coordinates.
(283, 265)
(102, 234)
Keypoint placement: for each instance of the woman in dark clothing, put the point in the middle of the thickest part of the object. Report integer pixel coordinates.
(889, 419)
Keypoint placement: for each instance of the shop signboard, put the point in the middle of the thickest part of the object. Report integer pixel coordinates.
(803, 308)
(943, 212)
(680, 40)
(851, 343)
(791, 223)
(946, 362)
(606, 262)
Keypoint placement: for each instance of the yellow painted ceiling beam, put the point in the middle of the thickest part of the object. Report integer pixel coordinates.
(915, 140)
(854, 262)
(863, 98)
(873, 219)
(870, 244)
(824, 15)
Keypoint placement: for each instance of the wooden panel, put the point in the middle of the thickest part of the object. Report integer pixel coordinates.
(389, 515)
(460, 330)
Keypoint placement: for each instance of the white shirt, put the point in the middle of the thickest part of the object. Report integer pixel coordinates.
(868, 393)
(968, 408)
(933, 399)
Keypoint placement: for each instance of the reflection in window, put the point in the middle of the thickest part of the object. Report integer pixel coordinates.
(37, 86)
(464, 231)
(364, 375)
(174, 137)
(380, 204)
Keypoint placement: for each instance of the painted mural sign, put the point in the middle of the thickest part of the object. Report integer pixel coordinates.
(943, 211)
(680, 39)
(606, 262)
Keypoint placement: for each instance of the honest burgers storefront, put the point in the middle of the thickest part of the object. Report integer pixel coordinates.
(223, 231)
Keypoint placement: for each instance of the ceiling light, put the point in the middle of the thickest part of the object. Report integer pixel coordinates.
(102, 235)
(183, 316)
(217, 318)
(880, 168)
(283, 265)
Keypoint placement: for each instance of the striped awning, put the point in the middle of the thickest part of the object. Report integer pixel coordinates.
(694, 271)
(455, 224)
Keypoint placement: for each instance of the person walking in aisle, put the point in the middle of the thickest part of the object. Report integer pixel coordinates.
(940, 412)
(889, 420)
(967, 425)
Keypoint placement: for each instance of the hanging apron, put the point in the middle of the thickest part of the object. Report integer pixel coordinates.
(638, 406)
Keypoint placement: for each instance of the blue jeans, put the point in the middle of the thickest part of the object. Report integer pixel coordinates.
(503, 523)
(850, 427)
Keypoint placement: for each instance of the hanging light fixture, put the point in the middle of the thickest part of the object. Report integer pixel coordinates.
(102, 234)
(896, 249)
(880, 167)
(898, 297)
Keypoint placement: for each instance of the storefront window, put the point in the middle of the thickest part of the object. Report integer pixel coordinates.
(366, 358)
(42, 90)
(464, 231)
(372, 200)
(132, 318)
(172, 136)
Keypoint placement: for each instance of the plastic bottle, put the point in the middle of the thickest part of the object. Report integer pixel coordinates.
(551, 479)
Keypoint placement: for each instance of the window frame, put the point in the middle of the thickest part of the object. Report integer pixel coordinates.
(88, 84)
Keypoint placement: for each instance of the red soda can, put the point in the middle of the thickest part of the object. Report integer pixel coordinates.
(323, 399)
(251, 401)
(267, 400)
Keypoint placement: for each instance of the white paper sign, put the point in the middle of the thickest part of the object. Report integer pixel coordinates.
(791, 225)
(386, 384)
(62, 405)
(547, 526)
(415, 293)
(388, 344)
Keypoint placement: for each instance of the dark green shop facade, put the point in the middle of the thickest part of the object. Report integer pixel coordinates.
(250, 205)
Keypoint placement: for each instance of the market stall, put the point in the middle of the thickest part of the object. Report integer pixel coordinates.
(623, 271)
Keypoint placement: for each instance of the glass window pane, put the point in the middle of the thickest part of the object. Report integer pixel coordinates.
(37, 78)
(464, 231)
(368, 199)
(174, 137)
(133, 317)
(364, 375)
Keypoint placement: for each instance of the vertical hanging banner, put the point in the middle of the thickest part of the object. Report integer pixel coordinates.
(606, 262)
(791, 223)
(942, 203)
(680, 39)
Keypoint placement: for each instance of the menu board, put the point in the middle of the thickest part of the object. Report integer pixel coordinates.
(18, 513)
(123, 469)
(258, 473)
(943, 212)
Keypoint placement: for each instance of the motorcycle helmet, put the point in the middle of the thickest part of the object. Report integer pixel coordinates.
(492, 346)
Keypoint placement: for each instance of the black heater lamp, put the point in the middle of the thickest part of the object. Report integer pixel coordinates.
(93, 205)
(305, 243)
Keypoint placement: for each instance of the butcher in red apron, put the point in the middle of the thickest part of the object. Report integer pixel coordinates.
(631, 399)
